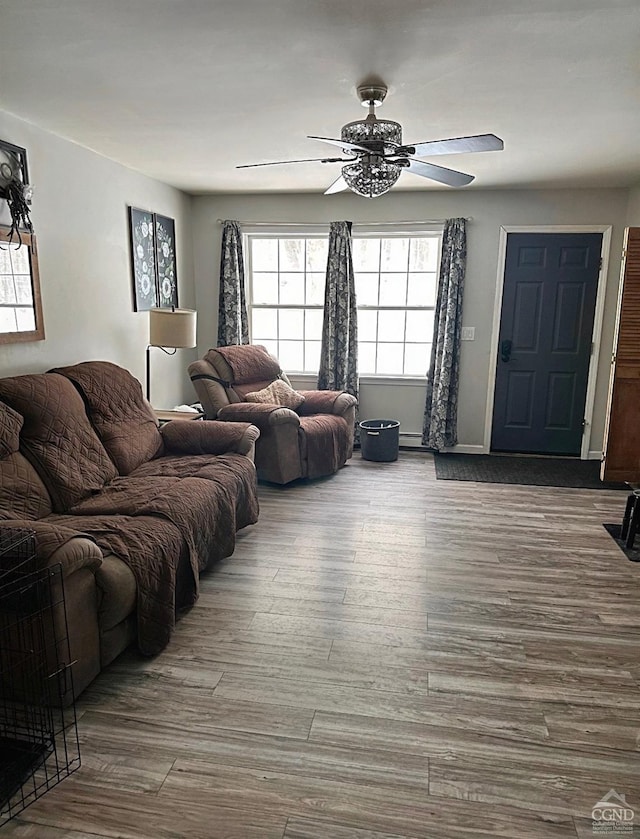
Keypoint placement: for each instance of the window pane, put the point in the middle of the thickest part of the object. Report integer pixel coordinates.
(312, 356)
(366, 358)
(292, 254)
(264, 325)
(264, 288)
(291, 355)
(315, 289)
(366, 254)
(24, 290)
(419, 326)
(270, 346)
(423, 255)
(26, 319)
(367, 325)
(8, 320)
(422, 290)
(366, 289)
(317, 255)
(264, 254)
(416, 359)
(395, 255)
(7, 290)
(5, 261)
(291, 289)
(313, 324)
(393, 289)
(391, 326)
(20, 259)
(390, 359)
(291, 325)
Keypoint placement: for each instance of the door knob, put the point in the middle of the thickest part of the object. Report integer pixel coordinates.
(505, 350)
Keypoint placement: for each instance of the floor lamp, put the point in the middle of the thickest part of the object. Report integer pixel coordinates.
(173, 328)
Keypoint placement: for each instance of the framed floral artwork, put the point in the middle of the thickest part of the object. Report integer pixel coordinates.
(166, 273)
(143, 259)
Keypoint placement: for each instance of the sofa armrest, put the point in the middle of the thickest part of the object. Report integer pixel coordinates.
(60, 545)
(326, 402)
(208, 437)
(261, 415)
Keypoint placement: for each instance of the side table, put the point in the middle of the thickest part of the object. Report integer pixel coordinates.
(167, 416)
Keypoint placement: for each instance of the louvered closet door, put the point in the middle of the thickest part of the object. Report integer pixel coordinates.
(621, 460)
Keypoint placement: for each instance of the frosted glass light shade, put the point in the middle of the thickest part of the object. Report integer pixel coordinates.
(172, 328)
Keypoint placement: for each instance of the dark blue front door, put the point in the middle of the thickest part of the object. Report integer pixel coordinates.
(548, 306)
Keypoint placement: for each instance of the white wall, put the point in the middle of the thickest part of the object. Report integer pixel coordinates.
(633, 209)
(489, 210)
(79, 215)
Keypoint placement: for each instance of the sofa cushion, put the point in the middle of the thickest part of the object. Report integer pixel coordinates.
(22, 493)
(118, 411)
(10, 425)
(57, 437)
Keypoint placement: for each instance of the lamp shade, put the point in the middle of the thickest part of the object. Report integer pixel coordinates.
(172, 328)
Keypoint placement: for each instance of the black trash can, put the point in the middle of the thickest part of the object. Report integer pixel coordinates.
(379, 439)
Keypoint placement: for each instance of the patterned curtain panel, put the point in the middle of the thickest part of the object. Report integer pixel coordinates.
(233, 324)
(441, 410)
(339, 355)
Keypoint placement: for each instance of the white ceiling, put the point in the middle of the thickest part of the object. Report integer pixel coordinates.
(184, 90)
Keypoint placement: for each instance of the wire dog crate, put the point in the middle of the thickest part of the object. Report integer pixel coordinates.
(38, 736)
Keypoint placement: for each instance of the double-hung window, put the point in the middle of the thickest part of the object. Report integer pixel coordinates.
(396, 284)
(286, 297)
(396, 275)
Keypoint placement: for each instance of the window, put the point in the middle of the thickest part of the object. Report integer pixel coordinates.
(396, 284)
(286, 297)
(20, 307)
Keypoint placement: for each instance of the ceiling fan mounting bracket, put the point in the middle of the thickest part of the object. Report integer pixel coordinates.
(372, 95)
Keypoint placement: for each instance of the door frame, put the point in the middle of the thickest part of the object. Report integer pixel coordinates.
(505, 230)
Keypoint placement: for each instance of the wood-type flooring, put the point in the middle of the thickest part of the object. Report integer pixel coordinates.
(386, 656)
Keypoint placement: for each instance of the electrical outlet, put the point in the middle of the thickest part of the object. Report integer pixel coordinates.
(468, 333)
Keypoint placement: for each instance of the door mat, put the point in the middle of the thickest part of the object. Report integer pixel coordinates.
(528, 471)
(631, 553)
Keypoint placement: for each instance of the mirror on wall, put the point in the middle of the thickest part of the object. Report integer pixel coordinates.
(20, 304)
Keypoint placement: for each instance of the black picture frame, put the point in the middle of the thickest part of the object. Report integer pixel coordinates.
(10, 155)
(166, 263)
(143, 259)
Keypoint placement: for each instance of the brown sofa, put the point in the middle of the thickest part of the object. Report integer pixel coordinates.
(133, 512)
(314, 440)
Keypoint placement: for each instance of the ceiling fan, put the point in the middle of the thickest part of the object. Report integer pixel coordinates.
(377, 155)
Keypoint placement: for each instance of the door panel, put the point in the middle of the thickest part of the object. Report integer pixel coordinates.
(548, 307)
(621, 461)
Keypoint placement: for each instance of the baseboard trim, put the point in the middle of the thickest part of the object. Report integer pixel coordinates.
(465, 448)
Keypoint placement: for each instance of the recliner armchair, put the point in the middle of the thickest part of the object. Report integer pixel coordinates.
(310, 442)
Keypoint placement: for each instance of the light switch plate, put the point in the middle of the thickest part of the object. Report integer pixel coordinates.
(468, 333)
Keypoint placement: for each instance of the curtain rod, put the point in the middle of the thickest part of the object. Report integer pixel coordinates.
(321, 223)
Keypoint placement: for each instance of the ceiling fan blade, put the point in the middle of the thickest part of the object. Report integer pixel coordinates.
(458, 145)
(341, 143)
(305, 160)
(438, 173)
(339, 185)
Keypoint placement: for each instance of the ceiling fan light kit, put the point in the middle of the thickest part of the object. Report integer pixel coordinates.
(377, 156)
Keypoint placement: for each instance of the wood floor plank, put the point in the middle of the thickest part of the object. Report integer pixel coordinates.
(570, 790)
(514, 719)
(128, 815)
(210, 747)
(395, 811)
